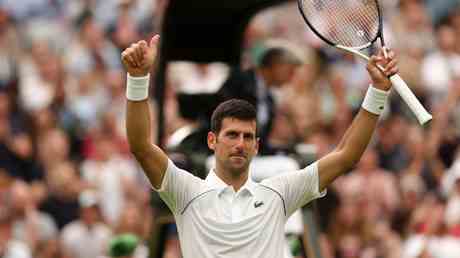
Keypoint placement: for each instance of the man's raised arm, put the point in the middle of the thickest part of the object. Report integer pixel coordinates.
(138, 59)
(358, 135)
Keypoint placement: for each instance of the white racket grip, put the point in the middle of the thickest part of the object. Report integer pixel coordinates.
(411, 100)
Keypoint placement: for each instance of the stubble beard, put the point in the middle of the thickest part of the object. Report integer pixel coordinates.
(236, 170)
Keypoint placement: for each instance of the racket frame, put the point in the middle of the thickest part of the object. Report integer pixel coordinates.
(401, 87)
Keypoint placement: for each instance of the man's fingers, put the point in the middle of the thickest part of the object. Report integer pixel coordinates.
(391, 54)
(381, 67)
(373, 64)
(154, 41)
(127, 57)
(140, 56)
(374, 61)
(391, 68)
(140, 50)
(383, 52)
(132, 54)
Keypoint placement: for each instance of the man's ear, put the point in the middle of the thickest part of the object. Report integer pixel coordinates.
(257, 145)
(212, 139)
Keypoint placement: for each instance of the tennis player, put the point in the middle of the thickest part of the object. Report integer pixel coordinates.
(227, 214)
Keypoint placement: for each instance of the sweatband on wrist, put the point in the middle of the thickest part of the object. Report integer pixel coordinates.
(375, 100)
(137, 88)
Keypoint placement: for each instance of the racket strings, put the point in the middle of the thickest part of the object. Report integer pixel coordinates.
(351, 23)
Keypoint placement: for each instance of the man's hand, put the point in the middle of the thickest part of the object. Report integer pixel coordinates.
(139, 58)
(390, 66)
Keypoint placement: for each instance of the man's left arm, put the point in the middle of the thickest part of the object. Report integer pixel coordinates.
(300, 187)
(359, 134)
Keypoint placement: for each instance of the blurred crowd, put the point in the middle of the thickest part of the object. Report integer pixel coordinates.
(68, 183)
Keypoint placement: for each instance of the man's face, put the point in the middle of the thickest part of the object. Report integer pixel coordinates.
(282, 73)
(235, 145)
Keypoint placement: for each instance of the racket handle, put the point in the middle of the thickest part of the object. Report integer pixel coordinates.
(411, 100)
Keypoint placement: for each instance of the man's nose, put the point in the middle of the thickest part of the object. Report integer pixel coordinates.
(240, 142)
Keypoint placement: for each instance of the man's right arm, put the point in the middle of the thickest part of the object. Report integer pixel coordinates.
(138, 59)
(152, 159)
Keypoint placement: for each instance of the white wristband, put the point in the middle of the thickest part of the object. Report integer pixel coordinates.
(375, 100)
(137, 88)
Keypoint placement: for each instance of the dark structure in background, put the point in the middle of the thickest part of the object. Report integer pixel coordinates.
(203, 31)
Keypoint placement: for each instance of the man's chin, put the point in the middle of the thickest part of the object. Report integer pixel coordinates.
(239, 164)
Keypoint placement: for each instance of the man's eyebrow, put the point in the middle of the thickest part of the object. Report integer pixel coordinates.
(239, 132)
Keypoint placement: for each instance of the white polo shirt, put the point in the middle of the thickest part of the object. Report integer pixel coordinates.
(214, 221)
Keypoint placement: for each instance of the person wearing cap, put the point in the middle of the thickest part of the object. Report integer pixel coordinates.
(123, 246)
(87, 236)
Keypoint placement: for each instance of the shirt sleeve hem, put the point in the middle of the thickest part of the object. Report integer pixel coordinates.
(164, 182)
(317, 193)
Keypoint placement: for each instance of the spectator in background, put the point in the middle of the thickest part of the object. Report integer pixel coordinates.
(39, 72)
(63, 186)
(16, 147)
(124, 246)
(90, 52)
(88, 236)
(53, 148)
(454, 20)
(423, 159)
(428, 231)
(277, 67)
(303, 92)
(125, 28)
(9, 51)
(50, 248)
(441, 66)
(412, 27)
(29, 224)
(371, 185)
(112, 176)
(9, 247)
(347, 72)
(413, 191)
(133, 221)
(114, 81)
(452, 215)
(390, 148)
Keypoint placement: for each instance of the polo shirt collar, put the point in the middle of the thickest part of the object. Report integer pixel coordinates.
(216, 182)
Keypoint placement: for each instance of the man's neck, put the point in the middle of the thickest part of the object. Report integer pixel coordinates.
(236, 181)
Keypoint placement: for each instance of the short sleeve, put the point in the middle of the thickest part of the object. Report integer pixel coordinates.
(297, 188)
(178, 187)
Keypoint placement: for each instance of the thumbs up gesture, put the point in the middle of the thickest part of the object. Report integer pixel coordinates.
(139, 58)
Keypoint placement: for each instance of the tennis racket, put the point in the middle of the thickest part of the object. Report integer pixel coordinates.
(354, 25)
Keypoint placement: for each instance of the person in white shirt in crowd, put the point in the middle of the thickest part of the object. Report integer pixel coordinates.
(440, 67)
(30, 224)
(112, 176)
(87, 237)
(229, 215)
(9, 246)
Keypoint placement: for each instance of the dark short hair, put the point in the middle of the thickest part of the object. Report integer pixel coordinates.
(233, 108)
(278, 55)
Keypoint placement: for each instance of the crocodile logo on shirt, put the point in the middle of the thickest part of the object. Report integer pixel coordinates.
(257, 204)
